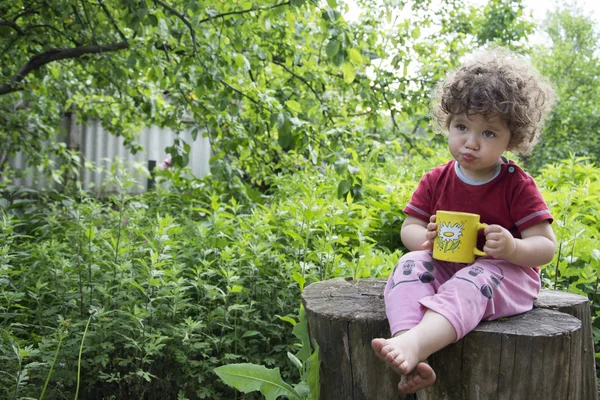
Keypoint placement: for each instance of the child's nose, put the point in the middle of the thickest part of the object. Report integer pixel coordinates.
(471, 141)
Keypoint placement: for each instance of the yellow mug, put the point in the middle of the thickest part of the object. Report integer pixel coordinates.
(456, 239)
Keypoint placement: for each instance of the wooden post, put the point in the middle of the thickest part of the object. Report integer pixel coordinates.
(542, 354)
(579, 307)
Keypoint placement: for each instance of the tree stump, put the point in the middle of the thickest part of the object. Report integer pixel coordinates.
(542, 354)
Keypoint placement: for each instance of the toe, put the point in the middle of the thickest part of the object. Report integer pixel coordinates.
(378, 344)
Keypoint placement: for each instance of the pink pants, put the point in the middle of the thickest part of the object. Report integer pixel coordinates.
(465, 294)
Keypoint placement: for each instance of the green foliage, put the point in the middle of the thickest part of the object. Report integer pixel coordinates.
(200, 274)
(572, 190)
(251, 377)
(183, 279)
(573, 66)
(318, 144)
(272, 84)
(502, 23)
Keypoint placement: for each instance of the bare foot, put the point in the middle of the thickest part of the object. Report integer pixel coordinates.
(401, 353)
(421, 377)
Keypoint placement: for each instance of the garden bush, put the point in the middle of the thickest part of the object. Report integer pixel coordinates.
(144, 296)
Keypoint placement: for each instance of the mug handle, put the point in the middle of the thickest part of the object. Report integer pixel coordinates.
(476, 251)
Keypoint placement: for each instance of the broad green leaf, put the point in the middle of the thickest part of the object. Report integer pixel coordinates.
(294, 106)
(285, 138)
(236, 289)
(303, 390)
(349, 72)
(333, 47)
(355, 56)
(248, 378)
(343, 188)
(285, 133)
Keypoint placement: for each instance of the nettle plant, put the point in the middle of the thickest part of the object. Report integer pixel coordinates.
(145, 296)
(150, 296)
(571, 189)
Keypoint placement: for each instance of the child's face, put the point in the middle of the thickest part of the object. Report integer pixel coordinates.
(477, 143)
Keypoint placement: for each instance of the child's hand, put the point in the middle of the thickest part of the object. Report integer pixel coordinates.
(430, 234)
(499, 243)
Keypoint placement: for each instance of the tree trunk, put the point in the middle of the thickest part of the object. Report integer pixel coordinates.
(542, 354)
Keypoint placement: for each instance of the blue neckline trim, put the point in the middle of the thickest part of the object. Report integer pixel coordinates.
(471, 182)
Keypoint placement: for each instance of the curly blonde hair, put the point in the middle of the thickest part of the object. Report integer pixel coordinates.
(497, 82)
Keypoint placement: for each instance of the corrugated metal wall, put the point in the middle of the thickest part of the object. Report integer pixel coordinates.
(100, 147)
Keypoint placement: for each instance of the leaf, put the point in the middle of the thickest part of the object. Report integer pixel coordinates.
(293, 235)
(248, 378)
(285, 138)
(299, 279)
(355, 56)
(285, 133)
(343, 188)
(287, 319)
(301, 332)
(295, 361)
(416, 32)
(236, 289)
(294, 106)
(297, 3)
(303, 390)
(333, 47)
(596, 254)
(349, 72)
(313, 364)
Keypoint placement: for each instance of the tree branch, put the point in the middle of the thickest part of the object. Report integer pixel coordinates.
(4, 22)
(396, 128)
(193, 35)
(42, 59)
(112, 21)
(300, 78)
(303, 80)
(244, 11)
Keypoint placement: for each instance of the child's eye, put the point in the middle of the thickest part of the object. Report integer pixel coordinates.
(461, 127)
(489, 134)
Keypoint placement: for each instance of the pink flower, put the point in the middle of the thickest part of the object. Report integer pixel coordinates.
(166, 163)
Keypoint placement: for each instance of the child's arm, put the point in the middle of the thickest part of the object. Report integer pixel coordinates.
(417, 234)
(536, 246)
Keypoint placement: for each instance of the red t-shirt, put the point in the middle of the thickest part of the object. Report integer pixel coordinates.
(510, 199)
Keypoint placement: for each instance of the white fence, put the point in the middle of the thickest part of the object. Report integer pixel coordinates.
(100, 147)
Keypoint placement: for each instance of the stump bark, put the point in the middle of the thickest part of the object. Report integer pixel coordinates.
(542, 354)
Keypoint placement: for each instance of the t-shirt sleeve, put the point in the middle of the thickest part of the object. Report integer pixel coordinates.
(528, 205)
(419, 205)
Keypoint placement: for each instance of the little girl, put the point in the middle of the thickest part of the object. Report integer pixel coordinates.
(494, 102)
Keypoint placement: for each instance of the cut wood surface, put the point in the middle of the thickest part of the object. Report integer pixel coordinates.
(542, 354)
